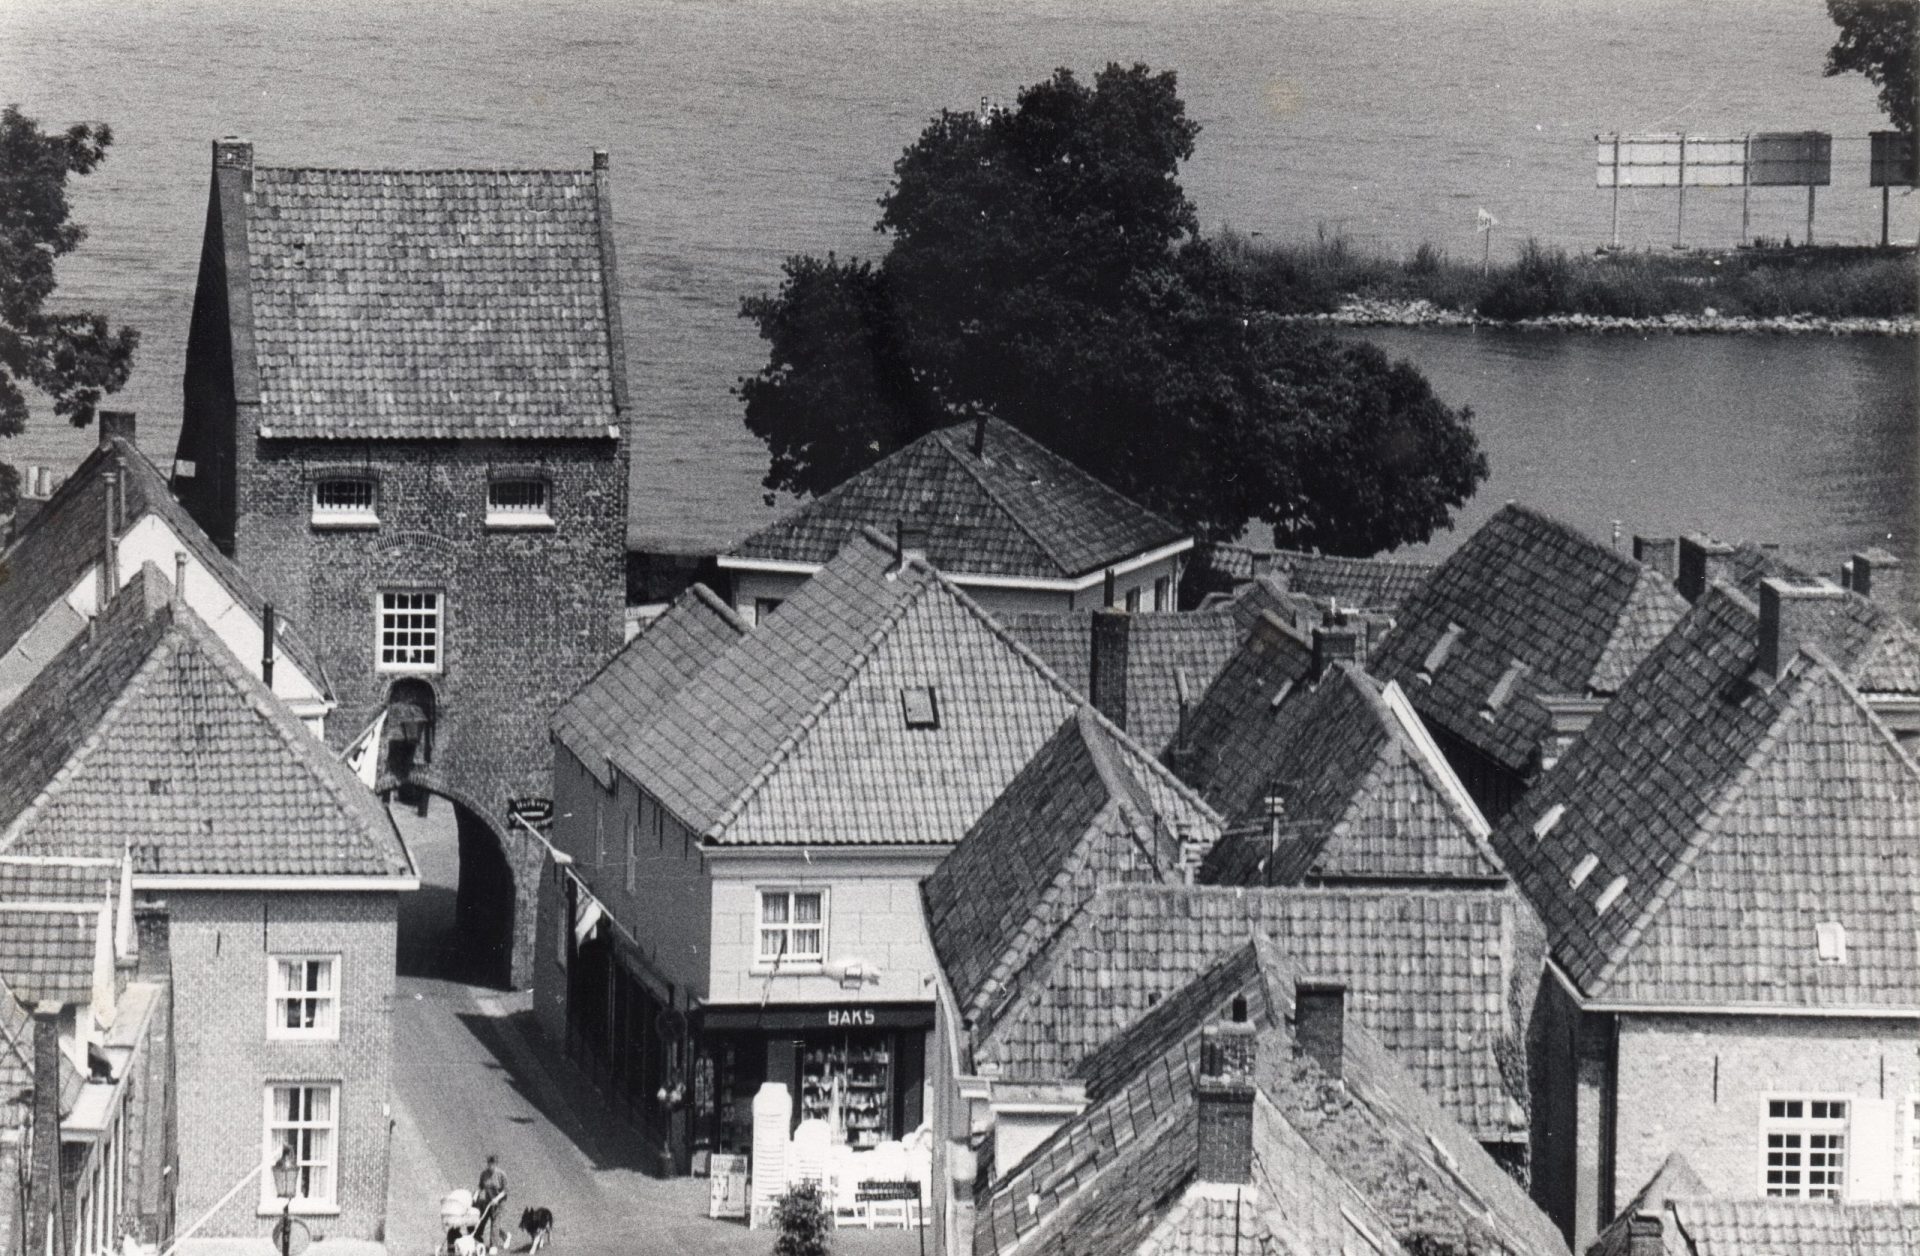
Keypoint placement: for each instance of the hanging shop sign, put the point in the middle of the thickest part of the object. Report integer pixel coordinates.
(534, 811)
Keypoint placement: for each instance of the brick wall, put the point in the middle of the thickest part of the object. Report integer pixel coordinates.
(220, 944)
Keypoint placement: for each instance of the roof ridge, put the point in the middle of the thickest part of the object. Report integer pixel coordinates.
(993, 494)
(569, 170)
(698, 592)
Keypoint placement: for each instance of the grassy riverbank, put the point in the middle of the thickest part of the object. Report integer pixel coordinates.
(1320, 276)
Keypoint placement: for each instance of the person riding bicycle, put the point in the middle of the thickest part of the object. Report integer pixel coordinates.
(488, 1198)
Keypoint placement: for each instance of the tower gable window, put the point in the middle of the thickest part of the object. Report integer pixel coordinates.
(518, 501)
(346, 501)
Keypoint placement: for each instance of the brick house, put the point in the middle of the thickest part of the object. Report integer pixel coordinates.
(1014, 524)
(405, 398)
(85, 1079)
(1727, 863)
(268, 881)
(1529, 626)
(744, 818)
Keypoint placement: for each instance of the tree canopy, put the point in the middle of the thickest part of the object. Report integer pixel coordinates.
(1877, 40)
(71, 357)
(1046, 267)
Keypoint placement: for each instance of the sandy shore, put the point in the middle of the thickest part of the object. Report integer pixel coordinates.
(1366, 313)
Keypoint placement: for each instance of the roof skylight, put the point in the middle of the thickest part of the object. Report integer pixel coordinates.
(921, 705)
(1548, 819)
(1583, 870)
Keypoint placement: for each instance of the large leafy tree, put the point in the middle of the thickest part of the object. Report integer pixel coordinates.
(1045, 266)
(71, 357)
(1877, 40)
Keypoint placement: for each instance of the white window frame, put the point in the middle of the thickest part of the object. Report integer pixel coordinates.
(327, 1010)
(791, 958)
(271, 1128)
(335, 516)
(380, 612)
(529, 514)
(1806, 1126)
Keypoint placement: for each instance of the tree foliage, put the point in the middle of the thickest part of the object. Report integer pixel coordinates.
(71, 357)
(1877, 40)
(800, 1217)
(1045, 266)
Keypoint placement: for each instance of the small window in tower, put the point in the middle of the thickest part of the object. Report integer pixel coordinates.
(345, 502)
(518, 502)
(410, 631)
(922, 706)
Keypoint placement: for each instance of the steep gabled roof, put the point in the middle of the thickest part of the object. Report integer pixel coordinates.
(1372, 1148)
(426, 303)
(1436, 973)
(1527, 607)
(1367, 584)
(1365, 793)
(1674, 1179)
(1695, 838)
(67, 536)
(1702, 1225)
(600, 720)
(1015, 509)
(1236, 730)
(147, 732)
(1089, 809)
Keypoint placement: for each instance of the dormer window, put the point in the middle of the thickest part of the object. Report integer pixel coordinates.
(518, 502)
(921, 706)
(345, 501)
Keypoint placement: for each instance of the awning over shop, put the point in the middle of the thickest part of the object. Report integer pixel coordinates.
(801, 1017)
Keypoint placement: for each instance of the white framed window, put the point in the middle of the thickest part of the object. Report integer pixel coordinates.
(306, 1117)
(1806, 1148)
(345, 501)
(410, 631)
(303, 997)
(793, 926)
(518, 502)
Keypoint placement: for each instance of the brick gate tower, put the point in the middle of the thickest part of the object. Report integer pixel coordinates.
(405, 407)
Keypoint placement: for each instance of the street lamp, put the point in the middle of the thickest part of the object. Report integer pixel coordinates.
(286, 1181)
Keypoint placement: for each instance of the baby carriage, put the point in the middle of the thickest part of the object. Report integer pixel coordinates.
(461, 1225)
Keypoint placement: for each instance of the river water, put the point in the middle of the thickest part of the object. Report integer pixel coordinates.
(746, 130)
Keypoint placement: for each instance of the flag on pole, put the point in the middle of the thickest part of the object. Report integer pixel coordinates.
(1485, 221)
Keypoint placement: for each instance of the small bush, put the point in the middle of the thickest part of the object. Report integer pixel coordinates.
(801, 1218)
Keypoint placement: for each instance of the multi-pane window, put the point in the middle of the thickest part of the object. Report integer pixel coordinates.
(304, 996)
(793, 926)
(305, 1117)
(409, 631)
(519, 502)
(1806, 1148)
(344, 500)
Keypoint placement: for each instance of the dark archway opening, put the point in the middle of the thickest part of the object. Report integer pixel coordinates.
(458, 926)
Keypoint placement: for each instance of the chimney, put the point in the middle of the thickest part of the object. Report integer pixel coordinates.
(1795, 615)
(600, 159)
(233, 153)
(1702, 561)
(909, 542)
(1109, 595)
(1319, 1024)
(1263, 563)
(1331, 646)
(1662, 553)
(1107, 665)
(179, 578)
(35, 487)
(43, 1168)
(979, 435)
(1644, 1236)
(1224, 1091)
(1881, 576)
(267, 629)
(115, 424)
(110, 550)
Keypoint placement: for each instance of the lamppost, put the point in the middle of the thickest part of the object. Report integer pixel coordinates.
(286, 1181)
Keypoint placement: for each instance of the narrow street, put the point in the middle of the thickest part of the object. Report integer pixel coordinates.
(472, 1077)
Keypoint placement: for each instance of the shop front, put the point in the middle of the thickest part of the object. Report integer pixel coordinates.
(859, 1067)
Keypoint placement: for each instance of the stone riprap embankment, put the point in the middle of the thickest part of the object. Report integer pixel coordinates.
(1361, 312)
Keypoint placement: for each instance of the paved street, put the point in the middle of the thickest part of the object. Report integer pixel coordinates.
(471, 1077)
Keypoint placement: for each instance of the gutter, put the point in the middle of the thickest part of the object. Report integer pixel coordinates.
(1727, 1009)
(1053, 584)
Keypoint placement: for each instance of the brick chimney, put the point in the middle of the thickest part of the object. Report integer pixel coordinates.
(1881, 576)
(1224, 1091)
(979, 435)
(43, 1167)
(1795, 615)
(1107, 664)
(1702, 561)
(116, 424)
(909, 542)
(110, 542)
(1333, 645)
(1263, 563)
(1644, 1237)
(1662, 553)
(1320, 1024)
(233, 153)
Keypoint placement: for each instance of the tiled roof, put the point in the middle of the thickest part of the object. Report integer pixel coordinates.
(1435, 973)
(1724, 815)
(1365, 794)
(600, 719)
(432, 303)
(66, 537)
(47, 950)
(1090, 809)
(1674, 1178)
(1703, 1226)
(148, 732)
(1372, 1148)
(1530, 606)
(1370, 584)
(58, 879)
(1233, 732)
(1016, 509)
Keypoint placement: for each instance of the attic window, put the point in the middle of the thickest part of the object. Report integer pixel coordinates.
(518, 502)
(1583, 870)
(1438, 654)
(921, 706)
(1610, 895)
(1831, 938)
(1548, 819)
(345, 502)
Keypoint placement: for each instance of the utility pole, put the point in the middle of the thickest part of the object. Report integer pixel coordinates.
(1616, 191)
(1680, 226)
(1809, 215)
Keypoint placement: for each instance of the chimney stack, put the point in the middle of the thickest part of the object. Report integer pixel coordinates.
(110, 550)
(1795, 615)
(1662, 553)
(1263, 563)
(268, 626)
(909, 542)
(979, 435)
(1107, 665)
(115, 424)
(1881, 576)
(233, 153)
(1319, 1024)
(43, 1167)
(1644, 1237)
(1109, 590)
(1332, 646)
(1225, 1091)
(1702, 561)
(179, 578)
